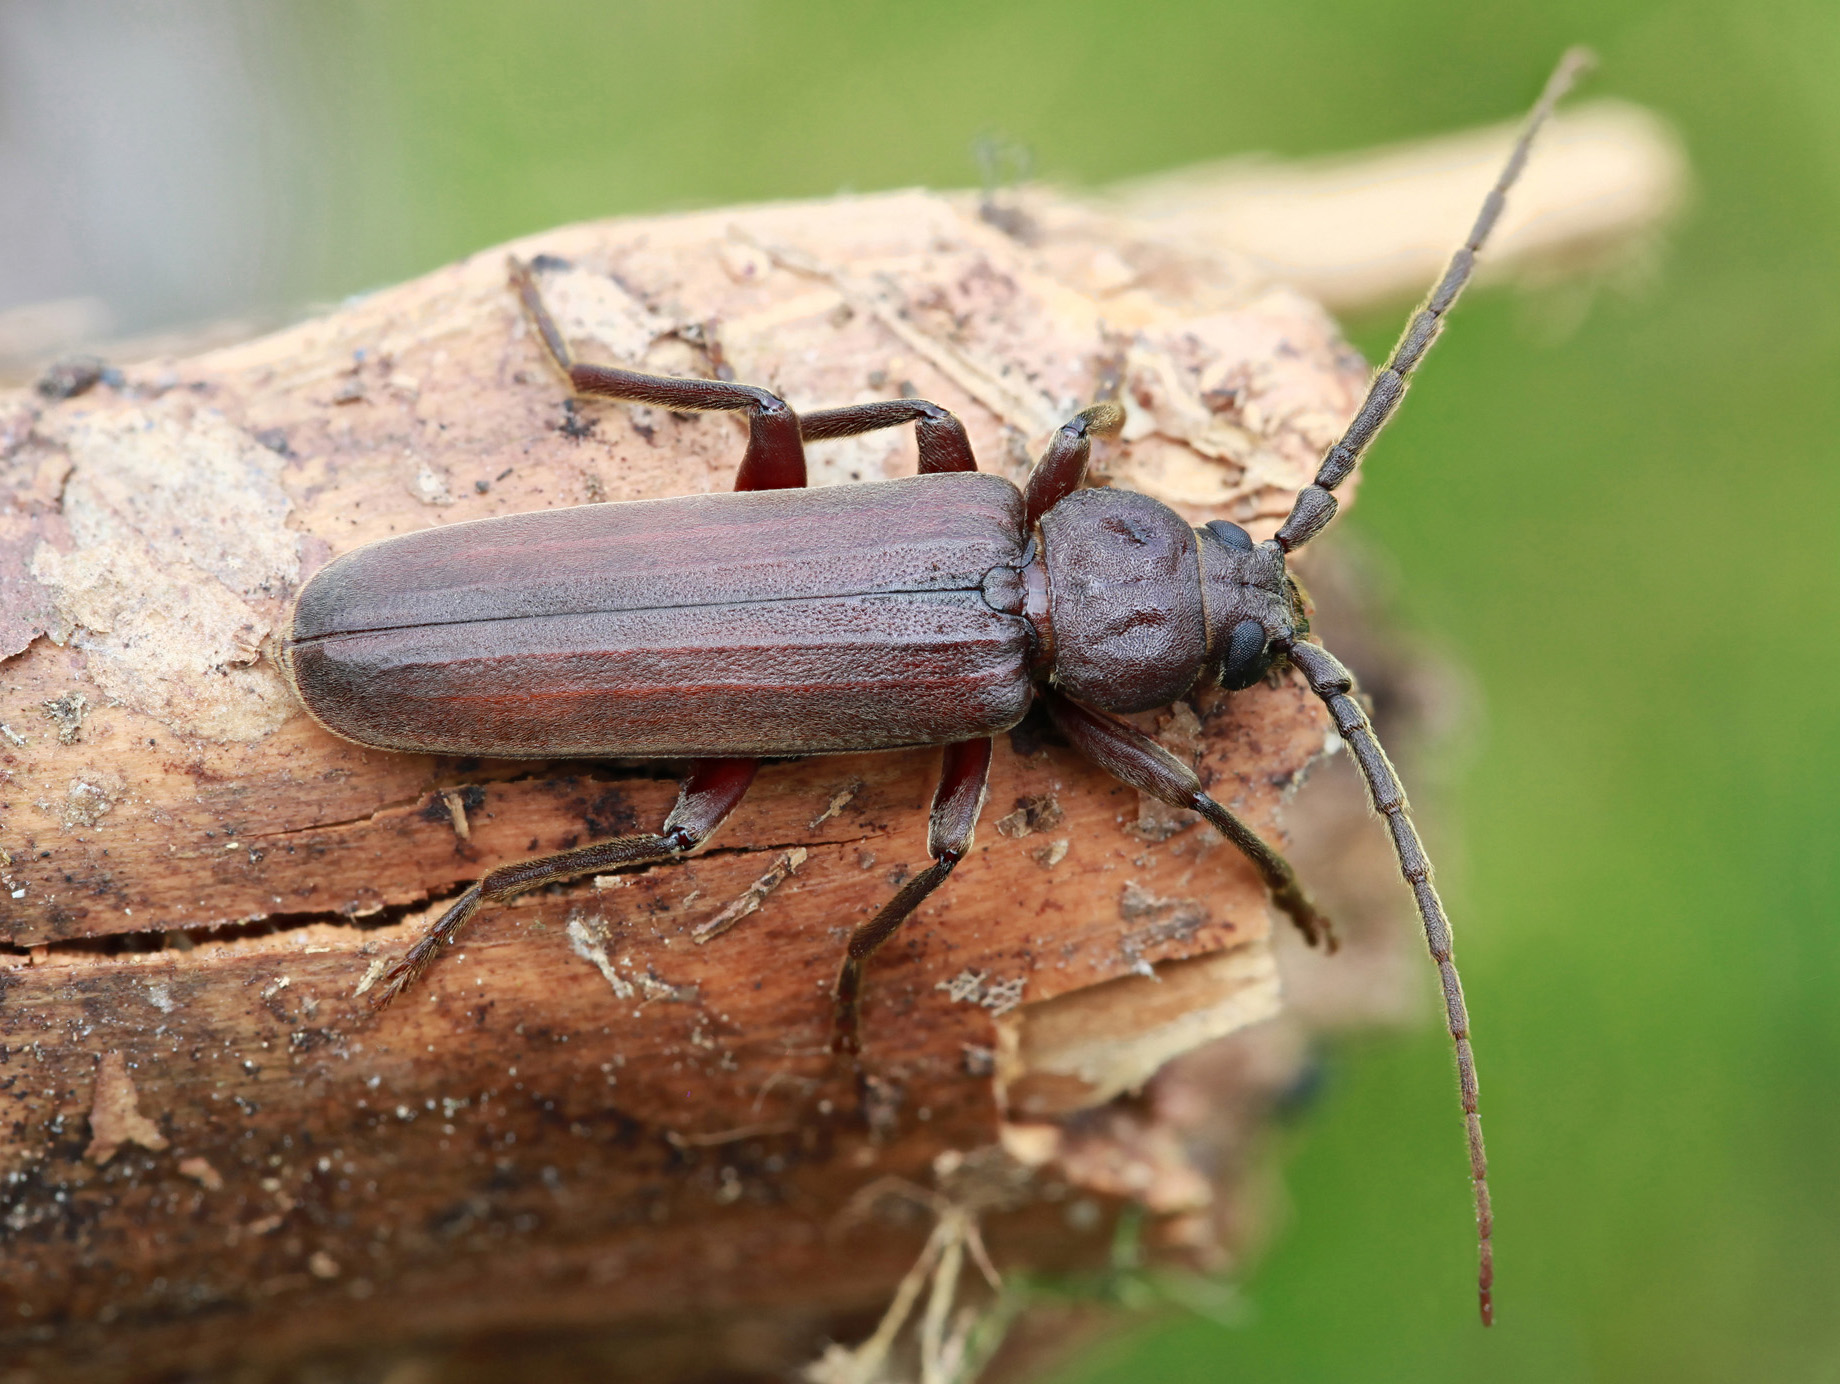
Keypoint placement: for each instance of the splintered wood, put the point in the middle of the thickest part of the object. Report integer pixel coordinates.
(610, 1107)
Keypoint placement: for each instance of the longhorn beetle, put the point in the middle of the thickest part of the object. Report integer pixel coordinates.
(781, 620)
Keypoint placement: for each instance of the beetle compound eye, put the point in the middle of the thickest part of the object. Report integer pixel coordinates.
(1246, 658)
(1231, 534)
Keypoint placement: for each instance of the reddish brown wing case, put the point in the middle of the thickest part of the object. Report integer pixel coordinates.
(755, 623)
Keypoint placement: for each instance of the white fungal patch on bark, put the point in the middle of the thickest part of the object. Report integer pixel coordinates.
(181, 558)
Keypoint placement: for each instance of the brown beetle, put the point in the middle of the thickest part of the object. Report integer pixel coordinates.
(782, 620)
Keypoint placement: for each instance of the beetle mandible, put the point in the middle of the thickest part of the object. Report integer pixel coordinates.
(780, 620)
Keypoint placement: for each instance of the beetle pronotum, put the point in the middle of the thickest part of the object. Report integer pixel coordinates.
(781, 620)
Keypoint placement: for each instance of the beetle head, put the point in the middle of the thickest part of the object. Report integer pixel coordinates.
(1254, 609)
(1144, 607)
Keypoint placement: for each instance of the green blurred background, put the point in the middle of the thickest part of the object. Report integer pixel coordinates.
(1627, 531)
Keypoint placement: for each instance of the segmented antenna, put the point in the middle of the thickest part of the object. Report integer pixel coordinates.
(1333, 683)
(1335, 686)
(1315, 506)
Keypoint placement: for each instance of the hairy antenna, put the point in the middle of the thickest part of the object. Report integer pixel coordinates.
(1334, 684)
(1315, 506)
(1330, 681)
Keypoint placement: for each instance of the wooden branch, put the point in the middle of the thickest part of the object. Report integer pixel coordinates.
(1364, 230)
(611, 1111)
(585, 1112)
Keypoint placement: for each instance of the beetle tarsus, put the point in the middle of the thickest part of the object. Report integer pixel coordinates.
(1280, 880)
(526, 286)
(1132, 757)
(712, 789)
(775, 457)
(420, 956)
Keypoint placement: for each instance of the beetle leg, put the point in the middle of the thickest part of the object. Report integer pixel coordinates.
(956, 804)
(775, 458)
(1134, 758)
(1063, 466)
(713, 789)
(943, 444)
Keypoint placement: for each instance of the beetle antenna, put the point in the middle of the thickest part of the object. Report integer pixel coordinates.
(1332, 682)
(1315, 506)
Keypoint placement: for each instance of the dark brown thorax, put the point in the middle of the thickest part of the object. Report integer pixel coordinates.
(1141, 606)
